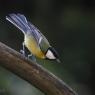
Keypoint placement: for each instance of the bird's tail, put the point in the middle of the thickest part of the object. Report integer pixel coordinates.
(19, 21)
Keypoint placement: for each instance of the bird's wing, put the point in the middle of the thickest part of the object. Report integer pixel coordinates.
(26, 27)
(38, 35)
(35, 32)
(41, 39)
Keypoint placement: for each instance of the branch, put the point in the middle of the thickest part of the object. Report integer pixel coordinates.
(32, 72)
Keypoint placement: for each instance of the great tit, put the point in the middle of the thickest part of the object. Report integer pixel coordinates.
(34, 40)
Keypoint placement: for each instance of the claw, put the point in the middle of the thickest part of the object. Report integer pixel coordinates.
(22, 52)
(32, 57)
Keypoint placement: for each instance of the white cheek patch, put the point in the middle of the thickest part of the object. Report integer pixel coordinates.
(50, 55)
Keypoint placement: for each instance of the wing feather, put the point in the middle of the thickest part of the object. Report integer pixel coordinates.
(26, 27)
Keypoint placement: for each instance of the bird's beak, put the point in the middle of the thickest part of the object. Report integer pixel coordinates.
(58, 60)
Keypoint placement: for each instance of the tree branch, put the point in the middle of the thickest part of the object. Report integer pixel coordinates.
(32, 72)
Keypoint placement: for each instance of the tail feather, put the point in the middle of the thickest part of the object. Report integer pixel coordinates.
(19, 21)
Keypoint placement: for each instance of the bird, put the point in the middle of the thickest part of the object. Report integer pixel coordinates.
(34, 40)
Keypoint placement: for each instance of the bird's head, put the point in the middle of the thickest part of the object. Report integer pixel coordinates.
(51, 54)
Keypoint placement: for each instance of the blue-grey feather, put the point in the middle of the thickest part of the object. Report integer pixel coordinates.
(13, 19)
(35, 32)
(26, 27)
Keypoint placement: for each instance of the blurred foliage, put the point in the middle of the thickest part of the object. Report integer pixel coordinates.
(69, 27)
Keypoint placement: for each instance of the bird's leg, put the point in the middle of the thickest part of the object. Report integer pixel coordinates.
(32, 57)
(24, 52)
(23, 49)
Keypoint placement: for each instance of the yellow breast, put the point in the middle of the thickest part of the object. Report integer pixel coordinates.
(32, 46)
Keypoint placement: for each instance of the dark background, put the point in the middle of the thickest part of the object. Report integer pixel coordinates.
(69, 25)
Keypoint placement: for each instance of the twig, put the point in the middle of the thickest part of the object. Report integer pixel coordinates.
(32, 72)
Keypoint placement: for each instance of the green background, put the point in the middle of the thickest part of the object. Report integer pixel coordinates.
(69, 25)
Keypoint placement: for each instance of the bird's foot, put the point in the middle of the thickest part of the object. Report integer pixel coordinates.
(32, 57)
